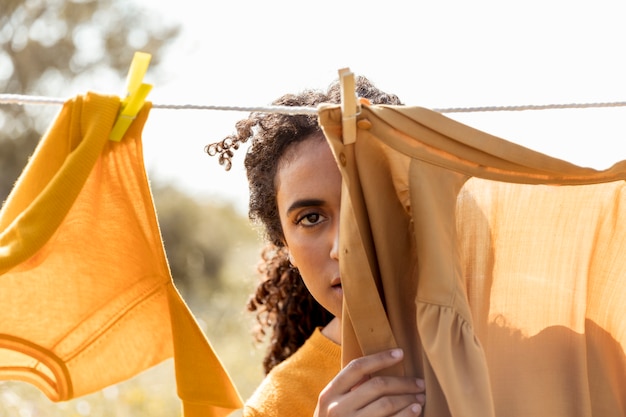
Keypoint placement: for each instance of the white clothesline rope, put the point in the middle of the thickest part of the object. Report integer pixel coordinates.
(41, 100)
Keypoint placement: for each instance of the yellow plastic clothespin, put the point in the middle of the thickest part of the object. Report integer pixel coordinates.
(350, 107)
(136, 97)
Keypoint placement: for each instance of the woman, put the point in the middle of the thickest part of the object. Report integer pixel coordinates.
(295, 189)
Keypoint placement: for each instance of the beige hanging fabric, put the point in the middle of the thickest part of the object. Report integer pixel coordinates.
(86, 293)
(499, 270)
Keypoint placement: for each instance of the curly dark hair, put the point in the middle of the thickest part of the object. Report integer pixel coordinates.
(282, 302)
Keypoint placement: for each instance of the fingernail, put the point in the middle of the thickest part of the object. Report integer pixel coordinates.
(397, 353)
(416, 409)
(421, 398)
(420, 383)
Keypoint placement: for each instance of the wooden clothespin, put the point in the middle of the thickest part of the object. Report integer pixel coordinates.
(350, 107)
(136, 96)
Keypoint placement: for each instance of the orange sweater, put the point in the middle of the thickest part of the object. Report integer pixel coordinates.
(292, 387)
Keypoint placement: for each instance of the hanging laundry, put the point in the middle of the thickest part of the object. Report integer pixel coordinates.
(86, 293)
(499, 270)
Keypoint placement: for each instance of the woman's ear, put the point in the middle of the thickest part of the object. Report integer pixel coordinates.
(291, 260)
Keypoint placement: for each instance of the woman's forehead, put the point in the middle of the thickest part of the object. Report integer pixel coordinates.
(309, 166)
(295, 149)
(304, 148)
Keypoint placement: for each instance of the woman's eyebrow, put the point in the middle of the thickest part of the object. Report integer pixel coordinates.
(310, 202)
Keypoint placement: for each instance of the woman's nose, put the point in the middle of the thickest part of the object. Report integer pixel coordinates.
(334, 250)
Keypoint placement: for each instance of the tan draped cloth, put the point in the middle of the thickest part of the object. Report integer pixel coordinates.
(499, 270)
(86, 293)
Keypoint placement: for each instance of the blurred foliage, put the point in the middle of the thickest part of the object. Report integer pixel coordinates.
(198, 238)
(49, 47)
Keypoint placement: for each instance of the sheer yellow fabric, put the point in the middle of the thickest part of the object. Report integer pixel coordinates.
(499, 270)
(86, 293)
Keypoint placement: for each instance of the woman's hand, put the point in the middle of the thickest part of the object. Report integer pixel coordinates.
(354, 392)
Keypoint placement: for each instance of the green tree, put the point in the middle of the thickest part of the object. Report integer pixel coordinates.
(48, 46)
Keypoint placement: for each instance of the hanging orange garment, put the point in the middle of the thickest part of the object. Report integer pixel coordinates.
(499, 270)
(86, 293)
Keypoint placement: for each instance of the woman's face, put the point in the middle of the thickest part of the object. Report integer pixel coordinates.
(308, 194)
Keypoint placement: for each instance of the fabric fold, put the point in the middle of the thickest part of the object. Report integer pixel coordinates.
(89, 299)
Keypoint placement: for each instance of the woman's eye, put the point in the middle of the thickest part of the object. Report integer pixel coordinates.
(310, 219)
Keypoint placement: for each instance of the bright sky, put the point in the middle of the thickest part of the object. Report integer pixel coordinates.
(436, 54)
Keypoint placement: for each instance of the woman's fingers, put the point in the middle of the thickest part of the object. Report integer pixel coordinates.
(389, 394)
(411, 410)
(392, 405)
(353, 391)
(384, 406)
(359, 369)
